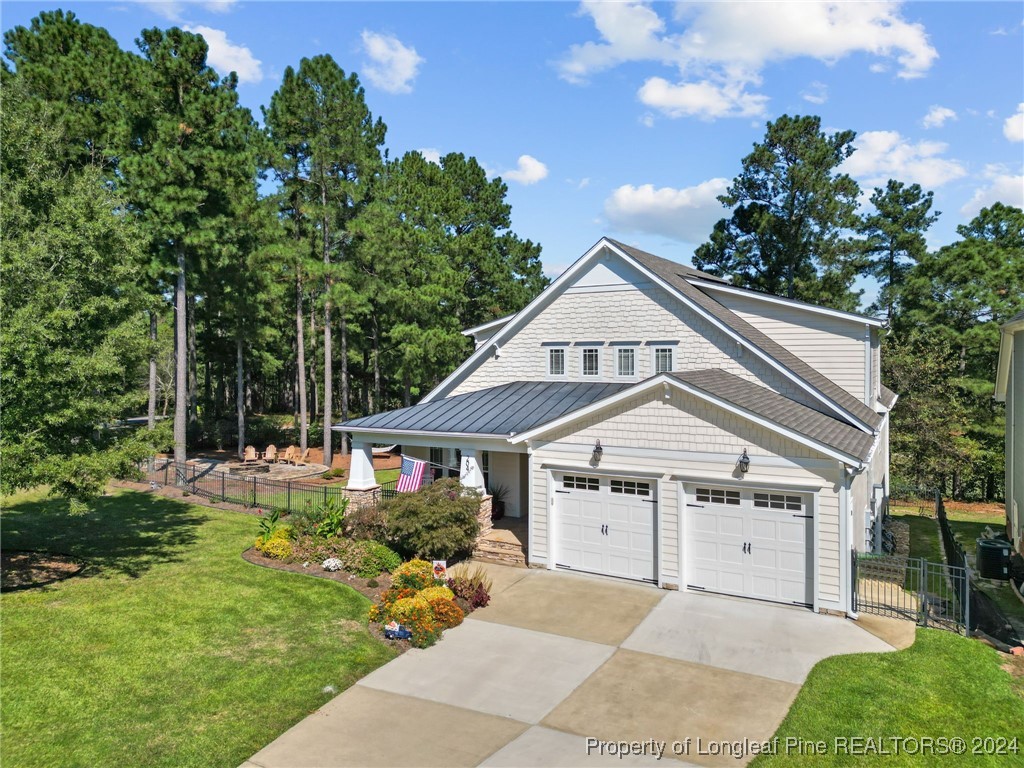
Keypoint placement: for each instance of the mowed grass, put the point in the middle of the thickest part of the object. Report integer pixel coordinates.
(169, 649)
(944, 685)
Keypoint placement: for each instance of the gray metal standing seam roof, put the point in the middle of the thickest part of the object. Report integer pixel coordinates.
(675, 275)
(503, 410)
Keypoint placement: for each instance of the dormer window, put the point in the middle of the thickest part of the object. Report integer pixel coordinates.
(663, 359)
(556, 362)
(625, 362)
(591, 361)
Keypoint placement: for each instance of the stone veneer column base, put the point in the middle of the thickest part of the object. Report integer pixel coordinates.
(484, 517)
(361, 497)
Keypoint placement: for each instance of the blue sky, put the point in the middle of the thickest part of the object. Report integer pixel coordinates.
(626, 118)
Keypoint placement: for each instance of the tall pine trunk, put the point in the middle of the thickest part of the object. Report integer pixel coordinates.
(180, 361)
(376, 362)
(300, 343)
(344, 381)
(151, 413)
(328, 372)
(193, 367)
(240, 393)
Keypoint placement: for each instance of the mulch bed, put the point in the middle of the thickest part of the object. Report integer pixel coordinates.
(252, 555)
(25, 570)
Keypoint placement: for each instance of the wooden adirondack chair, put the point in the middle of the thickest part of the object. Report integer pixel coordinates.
(300, 458)
(288, 455)
(250, 455)
(270, 454)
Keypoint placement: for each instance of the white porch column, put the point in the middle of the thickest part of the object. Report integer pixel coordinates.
(470, 473)
(360, 473)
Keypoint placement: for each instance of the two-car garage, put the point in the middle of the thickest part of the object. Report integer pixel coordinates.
(748, 542)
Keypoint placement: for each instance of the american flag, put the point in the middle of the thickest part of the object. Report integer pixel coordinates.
(411, 476)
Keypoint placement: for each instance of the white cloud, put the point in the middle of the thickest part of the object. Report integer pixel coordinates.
(1013, 128)
(937, 116)
(392, 66)
(721, 48)
(884, 155)
(816, 93)
(431, 155)
(220, 6)
(704, 99)
(1002, 187)
(686, 214)
(529, 170)
(226, 57)
(168, 9)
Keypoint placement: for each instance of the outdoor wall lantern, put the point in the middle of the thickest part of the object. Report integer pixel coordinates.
(598, 451)
(744, 462)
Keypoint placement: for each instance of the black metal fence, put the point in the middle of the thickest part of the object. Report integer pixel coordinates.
(247, 490)
(928, 593)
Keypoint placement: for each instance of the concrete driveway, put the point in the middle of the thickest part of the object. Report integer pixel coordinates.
(558, 662)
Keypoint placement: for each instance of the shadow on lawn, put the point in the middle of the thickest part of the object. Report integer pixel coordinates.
(126, 534)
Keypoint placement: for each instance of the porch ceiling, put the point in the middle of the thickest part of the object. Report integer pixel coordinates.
(497, 411)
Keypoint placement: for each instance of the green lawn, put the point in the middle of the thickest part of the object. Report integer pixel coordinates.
(943, 685)
(169, 649)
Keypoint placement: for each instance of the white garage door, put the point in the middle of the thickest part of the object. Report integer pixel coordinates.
(750, 543)
(605, 525)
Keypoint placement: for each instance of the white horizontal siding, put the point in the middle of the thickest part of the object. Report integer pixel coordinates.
(831, 345)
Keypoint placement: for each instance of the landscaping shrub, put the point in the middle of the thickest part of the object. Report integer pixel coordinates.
(414, 575)
(472, 586)
(277, 545)
(382, 610)
(332, 473)
(332, 564)
(437, 522)
(439, 592)
(380, 558)
(447, 613)
(316, 549)
(367, 523)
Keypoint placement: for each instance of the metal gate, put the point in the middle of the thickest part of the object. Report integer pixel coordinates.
(931, 594)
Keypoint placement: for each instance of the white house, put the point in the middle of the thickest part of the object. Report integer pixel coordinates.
(1010, 390)
(653, 422)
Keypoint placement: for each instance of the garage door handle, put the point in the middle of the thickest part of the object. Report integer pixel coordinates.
(699, 506)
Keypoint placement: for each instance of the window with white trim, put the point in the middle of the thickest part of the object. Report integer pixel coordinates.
(663, 361)
(581, 483)
(718, 496)
(630, 487)
(591, 365)
(625, 361)
(778, 501)
(556, 362)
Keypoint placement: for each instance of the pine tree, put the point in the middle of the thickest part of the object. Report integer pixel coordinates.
(789, 230)
(895, 237)
(327, 147)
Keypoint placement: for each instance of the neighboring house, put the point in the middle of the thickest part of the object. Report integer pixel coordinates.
(654, 423)
(1010, 390)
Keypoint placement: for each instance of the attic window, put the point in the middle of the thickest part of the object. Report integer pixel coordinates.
(556, 362)
(591, 362)
(663, 362)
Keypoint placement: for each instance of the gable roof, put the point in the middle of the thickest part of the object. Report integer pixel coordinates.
(676, 276)
(780, 410)
(887, 396)
(503, 411)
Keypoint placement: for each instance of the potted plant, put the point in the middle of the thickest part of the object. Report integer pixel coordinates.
(499, 493)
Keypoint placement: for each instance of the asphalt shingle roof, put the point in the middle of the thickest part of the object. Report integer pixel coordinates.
(676, 275)
(780, 410)
(503, 410)
(887, 396)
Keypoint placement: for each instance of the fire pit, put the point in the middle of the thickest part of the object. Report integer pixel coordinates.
(252, 468)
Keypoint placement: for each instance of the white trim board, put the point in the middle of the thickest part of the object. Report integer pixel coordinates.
(659, 454)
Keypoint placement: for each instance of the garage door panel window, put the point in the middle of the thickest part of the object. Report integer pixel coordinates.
(630, 487)
(581, 483)
(778, 501)
(718, 496)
